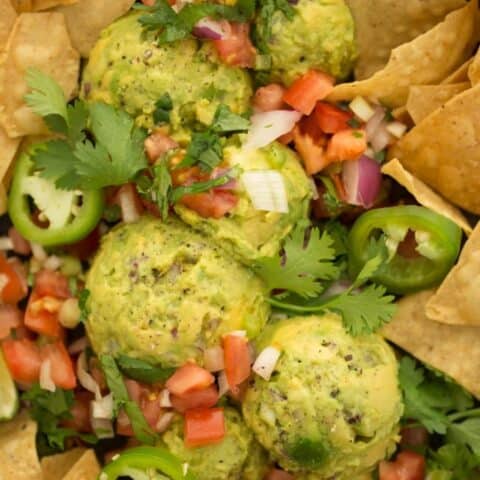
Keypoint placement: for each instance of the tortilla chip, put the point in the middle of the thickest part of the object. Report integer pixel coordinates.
(87, 18)
(460, 74)
(425, 195)
(474, 69)
(444, 150)
(23, 6)
(451, 349)
(398, 23)
(457, 300)
(76, 464)
(3, 202)
(38, 40)
(424, 99)
(426, 60)
(8, 150)
(18, 452)
(8, 16)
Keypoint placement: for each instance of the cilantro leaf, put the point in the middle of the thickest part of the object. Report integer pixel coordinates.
(420, 404)
(82, 304)
(301, 266)
(455, 461)
(54, 161)
(115, 383)
(466, 433)
(77, 115)
(225, 121)
(205, 149)
(143, 371)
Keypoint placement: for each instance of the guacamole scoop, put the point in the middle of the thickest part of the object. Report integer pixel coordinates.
(319, 35)
(128, 69)
(332, 406)
(162, 293)
(237, 456)
(247, 233)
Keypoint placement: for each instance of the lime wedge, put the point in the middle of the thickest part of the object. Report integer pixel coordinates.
(8, 392)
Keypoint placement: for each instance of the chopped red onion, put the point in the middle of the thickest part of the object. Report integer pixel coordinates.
(211, 29)
(374, 122)
(362, 179)
(268, 126)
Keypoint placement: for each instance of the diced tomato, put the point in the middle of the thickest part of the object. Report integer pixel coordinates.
(312, 154)
(413, 436)
(238, 393)
(62, 371)
(150, 3)
(204, 398)
(213, 204)
(52, 284)
(10, 318)
(305, 92)
(156, 144)
(269, 97)
(124, 427)
(407, 466)
(80, 421)
(23, 359)
(203, 426)
(236, 48)
(13, 287)
(42, 319)
(20, 245)
(330, 118)
(276, 474)
(237, 359)
(346, 145)
(85, 248)
(97, 373)
(189, 377)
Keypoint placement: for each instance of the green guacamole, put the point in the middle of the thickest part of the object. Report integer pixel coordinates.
(320, 35)
(332, 406)
(129, 70)
(237, 457)
(158, 293)
(248, 233)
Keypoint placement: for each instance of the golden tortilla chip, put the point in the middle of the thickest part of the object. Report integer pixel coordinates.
(87, 18)
(425, 195)
(18, 452)
(444, 150)
(457, 300)
(3, 203)
(390, 23)
(474, 69)
(8, 16)
(427, 59)
(451, 349)
(76, 464)
(424, 99)
(460, 74)
(38, 40)
(23, 6)
(8, 150)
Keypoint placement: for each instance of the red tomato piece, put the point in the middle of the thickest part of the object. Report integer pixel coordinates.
(10, 318)
(23, 359)
(157, 144)
(62, 370)
(51, 284)
(306, 91)
(124, 427)
(13, 286)
(346, 145)
(276, 474)
(80, 412)
(236, 48)
(330, 118)
(269, 97)
(237, 359)
(203, 426)
(407, 466)
(205, 398)
(189, 377)
(39, 319)
(213, 204)
(414, 436)
(312, 153)
(85, 248)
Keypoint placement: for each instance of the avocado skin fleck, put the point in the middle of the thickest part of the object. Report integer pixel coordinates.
(332, 406)
(162, 293)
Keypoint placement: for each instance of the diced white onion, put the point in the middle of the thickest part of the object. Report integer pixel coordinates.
(381, 139)
(102, 427)
(267, 414)
(103, 407)
(362, 109)
(164, 422)
(213, 359)
(85, 379)
(237, 333)
(314, 189)
(397, 129)
(52, 263)
(38, 252)
(185, 467)
(265, 363)
(223, 386)
(268, 126)
(69, 313)
(46, 381)
(266, 189)
(164, 399)
(78, 346)
(374, 122)
(128, 206)
(6, 243)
